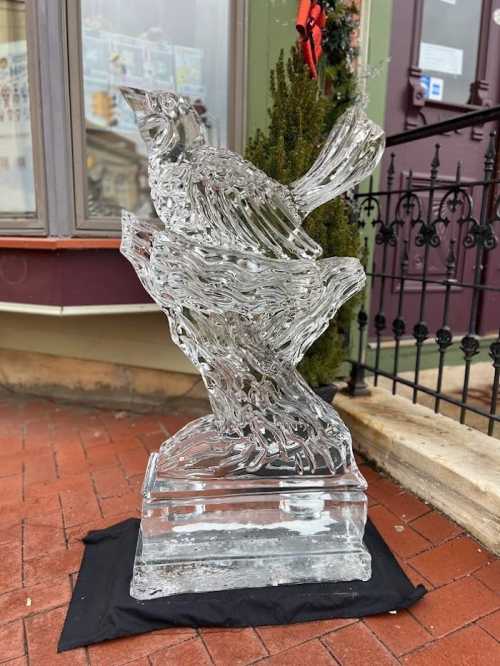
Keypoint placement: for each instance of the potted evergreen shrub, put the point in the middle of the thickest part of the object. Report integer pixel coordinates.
(302, 113)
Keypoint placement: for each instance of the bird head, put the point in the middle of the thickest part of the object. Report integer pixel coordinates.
(168, 123)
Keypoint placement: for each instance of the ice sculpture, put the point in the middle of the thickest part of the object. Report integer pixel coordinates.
(265, 489)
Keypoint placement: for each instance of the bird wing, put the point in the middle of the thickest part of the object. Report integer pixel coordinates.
(212, 279)
(247, 210)
(138, 237)
(207, 278)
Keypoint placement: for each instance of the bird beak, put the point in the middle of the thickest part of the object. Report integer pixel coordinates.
(135, 98)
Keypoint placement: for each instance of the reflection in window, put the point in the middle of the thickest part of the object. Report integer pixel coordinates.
(152, 44)
(448, 48)
(17, 190)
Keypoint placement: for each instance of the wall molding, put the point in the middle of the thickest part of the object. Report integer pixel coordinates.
(56, 243)
(78, 310)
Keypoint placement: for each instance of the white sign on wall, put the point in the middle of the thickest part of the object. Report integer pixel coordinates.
(433, 87)
(438, 58)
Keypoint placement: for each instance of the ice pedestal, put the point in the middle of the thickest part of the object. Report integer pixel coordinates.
(204, 535)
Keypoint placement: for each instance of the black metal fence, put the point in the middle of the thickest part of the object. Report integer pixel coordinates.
(431, 276)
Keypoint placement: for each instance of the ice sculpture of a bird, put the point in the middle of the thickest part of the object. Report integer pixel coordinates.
(244, 289)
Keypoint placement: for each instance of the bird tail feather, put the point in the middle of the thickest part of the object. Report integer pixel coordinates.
(351, 152)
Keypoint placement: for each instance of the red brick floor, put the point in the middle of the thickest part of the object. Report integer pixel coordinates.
(65, 470)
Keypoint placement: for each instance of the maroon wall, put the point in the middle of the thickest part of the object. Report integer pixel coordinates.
(68, 277)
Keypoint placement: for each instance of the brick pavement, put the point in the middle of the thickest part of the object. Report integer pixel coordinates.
(66, 469)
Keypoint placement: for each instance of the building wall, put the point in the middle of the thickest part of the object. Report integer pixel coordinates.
(377, 51)
(271, 28)
(143, 340)
(376, 23)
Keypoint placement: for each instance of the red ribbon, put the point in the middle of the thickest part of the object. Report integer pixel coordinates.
(311, 19)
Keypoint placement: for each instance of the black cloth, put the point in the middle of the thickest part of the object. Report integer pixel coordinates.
(102, 608)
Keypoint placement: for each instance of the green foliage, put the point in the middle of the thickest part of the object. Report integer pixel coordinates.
(300, 117)
(339, 52)
(329, 225)
(288, 148)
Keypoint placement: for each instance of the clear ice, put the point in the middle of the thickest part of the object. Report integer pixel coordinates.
(264, 490)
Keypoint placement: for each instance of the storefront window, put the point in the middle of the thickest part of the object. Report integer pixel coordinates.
(17, 188)
(152, 44)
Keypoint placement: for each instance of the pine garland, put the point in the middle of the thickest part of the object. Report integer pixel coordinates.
(300, 117)
(339, 53)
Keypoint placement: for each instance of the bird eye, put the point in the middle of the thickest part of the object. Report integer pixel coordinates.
(169, 105)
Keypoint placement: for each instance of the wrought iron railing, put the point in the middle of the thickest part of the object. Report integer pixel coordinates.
(430, 276)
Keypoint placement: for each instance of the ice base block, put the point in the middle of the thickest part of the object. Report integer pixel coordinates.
(215, 534)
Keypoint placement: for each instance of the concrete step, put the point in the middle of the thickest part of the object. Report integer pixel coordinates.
(452, 466)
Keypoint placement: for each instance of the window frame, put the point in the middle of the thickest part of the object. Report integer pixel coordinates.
(109, 226)
(481, 51)
(36, 224)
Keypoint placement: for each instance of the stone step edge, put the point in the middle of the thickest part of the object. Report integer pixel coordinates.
(453, 467)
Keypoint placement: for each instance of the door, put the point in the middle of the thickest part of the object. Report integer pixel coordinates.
(445, 57)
